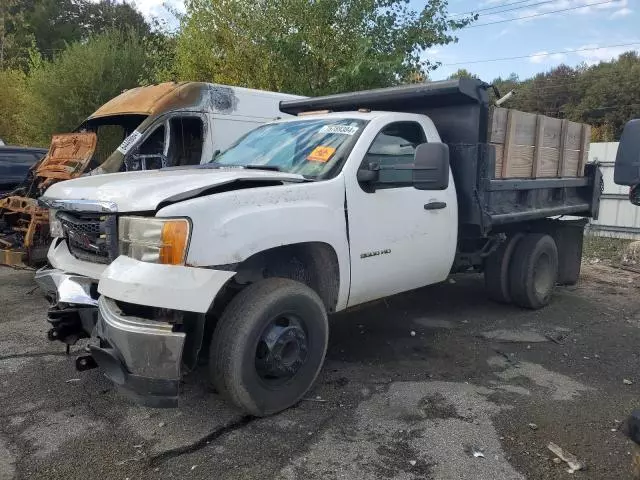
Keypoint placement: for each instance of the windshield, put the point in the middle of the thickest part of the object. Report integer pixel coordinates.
(306, 147)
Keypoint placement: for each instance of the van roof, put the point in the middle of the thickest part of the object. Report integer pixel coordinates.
(171, 96)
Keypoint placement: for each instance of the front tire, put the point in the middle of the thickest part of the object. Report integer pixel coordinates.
(269, 345)
(533, 271)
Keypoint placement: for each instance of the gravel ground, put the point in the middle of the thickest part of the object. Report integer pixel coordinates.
(477, 393)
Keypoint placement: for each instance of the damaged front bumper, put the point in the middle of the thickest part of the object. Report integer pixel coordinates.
(74, 304)
(142, 357)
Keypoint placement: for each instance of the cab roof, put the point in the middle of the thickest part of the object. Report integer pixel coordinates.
(157, 99)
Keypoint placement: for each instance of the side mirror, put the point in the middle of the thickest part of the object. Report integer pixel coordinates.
(431, 166)
(627, 167)
(634, 194)
(367, 175)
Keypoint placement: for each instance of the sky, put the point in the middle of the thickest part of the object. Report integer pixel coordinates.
(587, 31)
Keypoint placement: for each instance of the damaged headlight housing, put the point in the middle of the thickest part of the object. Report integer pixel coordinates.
(154, 240)
(55, 225)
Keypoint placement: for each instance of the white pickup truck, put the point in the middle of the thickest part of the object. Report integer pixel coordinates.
(241, 260)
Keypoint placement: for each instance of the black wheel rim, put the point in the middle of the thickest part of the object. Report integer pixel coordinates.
(282, 350)
(543, 276)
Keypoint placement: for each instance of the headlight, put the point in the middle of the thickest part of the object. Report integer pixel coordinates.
(55, 225)
(154, 240)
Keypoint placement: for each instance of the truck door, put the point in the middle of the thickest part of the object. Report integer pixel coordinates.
(400, 238)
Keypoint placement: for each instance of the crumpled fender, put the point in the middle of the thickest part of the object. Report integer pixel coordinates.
(165, 286)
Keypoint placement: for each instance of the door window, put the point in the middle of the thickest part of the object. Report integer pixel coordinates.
(185, 145)
(154, 144)
(151, 153)
(395, 146)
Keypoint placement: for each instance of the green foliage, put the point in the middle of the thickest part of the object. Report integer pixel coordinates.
(65, 90)
(462, 73)
(605, 249)
(13, 96)
(50, 25)
(61, 59)
(310, 47)
(606, 95)
(160, 55)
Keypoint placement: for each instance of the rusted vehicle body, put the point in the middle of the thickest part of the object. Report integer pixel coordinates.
(24, 230)
(144, 128)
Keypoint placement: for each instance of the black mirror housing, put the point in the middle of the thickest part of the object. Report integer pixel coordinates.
(367, 175)
(634, 194)
(627, 167)
(431, 166)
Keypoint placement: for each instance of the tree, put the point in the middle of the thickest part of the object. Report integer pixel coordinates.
(609, 95)
(65, 90)
(12, 101)
(49, 25)
(462, 73)
(310, 47)
(15, 40)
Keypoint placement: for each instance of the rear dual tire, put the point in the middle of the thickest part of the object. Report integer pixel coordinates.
(523, 271)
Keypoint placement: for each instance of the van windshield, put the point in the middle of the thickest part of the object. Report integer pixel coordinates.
(307, 147)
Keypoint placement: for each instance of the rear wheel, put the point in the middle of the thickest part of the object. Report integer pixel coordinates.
(533, 271)
(496, 270)
(269, 345)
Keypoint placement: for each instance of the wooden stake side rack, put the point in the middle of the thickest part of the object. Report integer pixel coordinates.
(530, 145)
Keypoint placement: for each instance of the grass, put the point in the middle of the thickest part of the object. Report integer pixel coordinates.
(605, 249)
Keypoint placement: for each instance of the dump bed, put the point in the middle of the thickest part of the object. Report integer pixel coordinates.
(508, 166)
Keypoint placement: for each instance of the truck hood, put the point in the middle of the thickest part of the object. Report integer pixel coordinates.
(146, 190)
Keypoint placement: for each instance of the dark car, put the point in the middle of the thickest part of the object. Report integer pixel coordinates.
(15, 163)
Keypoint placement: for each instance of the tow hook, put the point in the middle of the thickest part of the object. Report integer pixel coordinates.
(66, 325)
(85, 362)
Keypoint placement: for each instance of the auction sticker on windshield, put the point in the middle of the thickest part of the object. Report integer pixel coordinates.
(321, 154)
(339, 129)
(128, 142)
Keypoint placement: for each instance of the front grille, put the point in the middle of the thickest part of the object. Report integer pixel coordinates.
(91, 237)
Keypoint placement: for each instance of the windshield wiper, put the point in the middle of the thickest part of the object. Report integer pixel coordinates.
(272, 168)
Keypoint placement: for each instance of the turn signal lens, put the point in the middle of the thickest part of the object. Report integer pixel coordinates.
(174, 239)
(154, 240)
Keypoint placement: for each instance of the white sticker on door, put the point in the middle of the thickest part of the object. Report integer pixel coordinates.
(129, 142)
(340, 129)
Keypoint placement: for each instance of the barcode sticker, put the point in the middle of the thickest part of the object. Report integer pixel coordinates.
(340, 129)
(129, 142)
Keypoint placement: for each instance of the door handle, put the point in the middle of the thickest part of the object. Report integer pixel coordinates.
(435, 205)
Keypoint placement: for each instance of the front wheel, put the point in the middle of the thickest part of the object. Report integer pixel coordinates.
(269, 345)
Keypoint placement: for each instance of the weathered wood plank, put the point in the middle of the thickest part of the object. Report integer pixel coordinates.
(571, 160)
(499, 156)
(521, 161)
(550, 158)
(537, 155)
(563, 141)
(498, 125)
(574, 136)
(508, 143)
(584, 149)
(552, 130)
(525, 128)
(530, 146)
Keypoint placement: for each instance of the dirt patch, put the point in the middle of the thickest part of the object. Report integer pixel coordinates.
(7, 461)
(514, 336)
